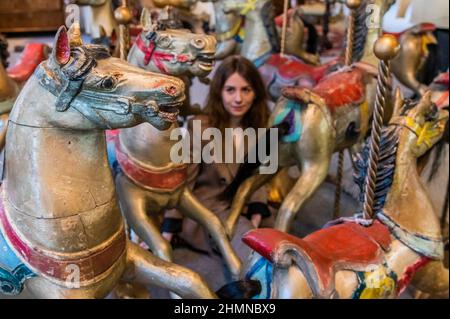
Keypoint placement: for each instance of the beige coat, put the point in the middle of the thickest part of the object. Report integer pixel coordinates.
(208, 182)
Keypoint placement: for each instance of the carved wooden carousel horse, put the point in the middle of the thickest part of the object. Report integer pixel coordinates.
(61, 229)
(149, 182)
(97, 15)
(261, 43)
(178, 52)
(353, 258)
(413, 54)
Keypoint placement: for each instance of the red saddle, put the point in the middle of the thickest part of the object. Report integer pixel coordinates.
(417, 29)
(344, 246)
(342, 88)
(291, 68)
(32, 56)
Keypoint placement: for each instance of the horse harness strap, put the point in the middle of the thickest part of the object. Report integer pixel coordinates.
(424, 133)
(151, 53)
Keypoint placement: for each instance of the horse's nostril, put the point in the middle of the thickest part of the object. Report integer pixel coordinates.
(172, 90)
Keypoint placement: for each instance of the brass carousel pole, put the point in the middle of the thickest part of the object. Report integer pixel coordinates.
(353, 5)
(385, 49)
(123, 16)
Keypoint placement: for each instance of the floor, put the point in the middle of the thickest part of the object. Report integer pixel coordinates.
(315, 213)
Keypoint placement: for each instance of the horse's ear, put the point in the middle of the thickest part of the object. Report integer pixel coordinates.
(61, 48)
(75, 35)
(398, 103)
(425, 103)
(146, 20)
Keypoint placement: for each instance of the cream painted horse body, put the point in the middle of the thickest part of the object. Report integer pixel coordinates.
(150, 182)
(95, 15)
(62, 233)
(353, 259)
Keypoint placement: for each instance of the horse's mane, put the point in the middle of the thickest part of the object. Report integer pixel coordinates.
(268, 15)
(386, 166)
(84, 58)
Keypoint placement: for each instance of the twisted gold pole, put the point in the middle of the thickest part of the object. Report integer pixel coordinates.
(123, 16)
(386, 48)
(284, 28)
(353, 5)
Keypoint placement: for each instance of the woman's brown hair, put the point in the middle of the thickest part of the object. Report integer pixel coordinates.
(258, 114)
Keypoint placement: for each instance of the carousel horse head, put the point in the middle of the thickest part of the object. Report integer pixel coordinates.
(172, 51)
(414, 53)
(107, 91)
(425, 123)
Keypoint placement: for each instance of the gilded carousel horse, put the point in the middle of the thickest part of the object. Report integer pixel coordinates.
(251, 28)
(355, 258)
(62, 233)
(149, 182)
(261, 44)
(414, 52)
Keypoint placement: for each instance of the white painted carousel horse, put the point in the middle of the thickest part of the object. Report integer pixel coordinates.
(354, 258)
(97, 15)
(62, 233)
(149, 182)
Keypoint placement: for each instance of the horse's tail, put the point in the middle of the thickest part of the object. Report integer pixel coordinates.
(242, 289)
(247, 169)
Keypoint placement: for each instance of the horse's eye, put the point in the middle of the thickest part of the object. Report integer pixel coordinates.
(108, 83)
(164, 41)
(198, 43)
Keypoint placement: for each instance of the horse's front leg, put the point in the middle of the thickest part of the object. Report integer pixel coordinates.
(147, 269)
(242, 196)
(133, 205)
(313, 151)
(192, 208)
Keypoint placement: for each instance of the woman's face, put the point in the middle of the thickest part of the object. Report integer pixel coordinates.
(237, 96)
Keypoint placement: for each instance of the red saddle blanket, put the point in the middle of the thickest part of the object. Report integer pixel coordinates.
(32, 56)
(342, 88)
(292, 68)
(344, 246)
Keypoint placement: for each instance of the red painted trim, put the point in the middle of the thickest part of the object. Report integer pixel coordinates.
(169, 180)
(409, 274)
(443, 100)
(91, 265)
(158, 57)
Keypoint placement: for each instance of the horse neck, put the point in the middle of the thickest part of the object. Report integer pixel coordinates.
(57, 171)
(408, 203)
(374, 31)
(256, 43)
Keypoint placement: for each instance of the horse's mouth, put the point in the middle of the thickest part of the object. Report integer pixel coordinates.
(170, 111)
(206, 62)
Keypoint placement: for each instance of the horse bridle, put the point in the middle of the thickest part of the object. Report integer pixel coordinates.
(424, 132)
(66, 86)
(151, 54)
